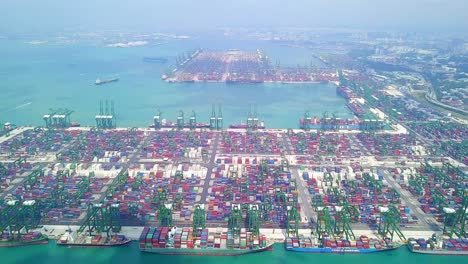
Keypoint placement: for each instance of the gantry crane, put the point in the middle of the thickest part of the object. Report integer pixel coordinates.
(254, 219)
(306, 122)
(106, 118)
(458, 227)
(32, 178)
(213, 118)
(266, 208)
(180, 120)
(83, 188)
(120, 179)
(199, 218)
(372, 182)
(219, 119)
(193, 121)
(292, 224)
(101, 218)
(165, 215)
(10, 217)
(157, 119)
(17, 217)
(325, 223)
(30, 215)
(235, 220)
(390, 222)
(345, 215)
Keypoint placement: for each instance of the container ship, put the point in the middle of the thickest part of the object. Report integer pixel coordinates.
(433, 246)
(71, 239)
(104, 81)
(155, 59)
(176, 241)
(363, 245)
(261, 125)
(169, 124)
(356, 108)
(31, 238)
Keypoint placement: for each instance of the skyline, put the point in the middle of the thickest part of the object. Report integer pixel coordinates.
(399, 15)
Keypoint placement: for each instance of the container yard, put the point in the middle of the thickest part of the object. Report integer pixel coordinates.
(238, 66)
(211, 191)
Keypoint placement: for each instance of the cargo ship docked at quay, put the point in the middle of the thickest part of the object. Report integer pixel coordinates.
(455, 247)
(362, 246)
(72, 239)
(31, 238)
(203, 243)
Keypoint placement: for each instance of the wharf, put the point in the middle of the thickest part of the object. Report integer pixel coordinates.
(206, 161)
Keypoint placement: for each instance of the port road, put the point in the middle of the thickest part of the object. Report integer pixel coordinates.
(133, 158)
(210, 166)
(425, 221)
(304, 197)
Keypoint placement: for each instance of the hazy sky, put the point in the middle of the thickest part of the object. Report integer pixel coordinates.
(408, 15)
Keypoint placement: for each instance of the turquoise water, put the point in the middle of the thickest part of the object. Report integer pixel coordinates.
(127, 255)
(38, 77)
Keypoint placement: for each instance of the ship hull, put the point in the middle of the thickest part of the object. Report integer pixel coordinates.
(340, 250)
(16, 243)
(439, 252)
(89, 245)
(106, 81)
(205, 252)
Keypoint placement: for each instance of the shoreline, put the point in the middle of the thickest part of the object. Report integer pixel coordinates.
(273, 234)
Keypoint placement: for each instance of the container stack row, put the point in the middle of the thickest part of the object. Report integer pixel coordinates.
(251, 143)
(142, 194)
(35, 141)
(177, 144)
(100, 146)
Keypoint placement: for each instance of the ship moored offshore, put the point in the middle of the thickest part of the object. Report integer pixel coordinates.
(104, 81)
(184, 241)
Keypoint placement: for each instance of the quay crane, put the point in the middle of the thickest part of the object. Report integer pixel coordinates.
(193, 121)
(106, 117)
(254, 219)
(235, 220)
(219, 119)
(389, 224)
(102, 218)
(325, 223)
(180, 120)
(17, 217)
(456, 219)
(292, 224)
(199, 218)
(213, 125)
(165, 215)
(157, 119)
